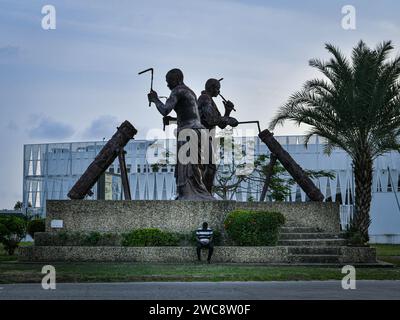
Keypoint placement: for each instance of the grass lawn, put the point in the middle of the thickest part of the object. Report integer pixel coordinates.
(12, 271)
(384, 250)
(388, 253)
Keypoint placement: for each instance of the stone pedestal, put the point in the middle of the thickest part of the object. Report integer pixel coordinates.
(179, 216)
(311, 235)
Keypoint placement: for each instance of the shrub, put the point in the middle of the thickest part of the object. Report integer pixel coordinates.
(35, 225)
(95, 238)
(354, 237)
(150, 237)
(67, 238)
(12, 231)
(91, 239)
(254, 228)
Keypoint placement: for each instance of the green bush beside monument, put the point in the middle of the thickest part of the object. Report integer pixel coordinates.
(254, 228)
(35, 225)
(12, 231)
(150, 237)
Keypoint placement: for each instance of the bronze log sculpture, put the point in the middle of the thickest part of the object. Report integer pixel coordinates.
(112, 149)
(291, 166)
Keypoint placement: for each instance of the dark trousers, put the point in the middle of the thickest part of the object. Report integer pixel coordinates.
(208, 246)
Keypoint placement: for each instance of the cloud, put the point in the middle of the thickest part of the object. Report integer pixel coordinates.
(12, 126)
(9, 52)
(102, 127)
(47, 128)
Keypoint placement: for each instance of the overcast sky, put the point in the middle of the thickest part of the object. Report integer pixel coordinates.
(79, 81)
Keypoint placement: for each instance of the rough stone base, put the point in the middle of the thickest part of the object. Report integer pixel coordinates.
(178, 216)
(357, 255)
(223, 254)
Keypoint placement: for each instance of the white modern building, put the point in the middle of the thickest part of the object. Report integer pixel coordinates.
(50, 170)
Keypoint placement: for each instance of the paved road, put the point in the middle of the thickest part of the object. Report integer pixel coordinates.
(205, 290)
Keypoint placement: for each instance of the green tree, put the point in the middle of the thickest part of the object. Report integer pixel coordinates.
(356, 108)
(12, 231)
(19, 205)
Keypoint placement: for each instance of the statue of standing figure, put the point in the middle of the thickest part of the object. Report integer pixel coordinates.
(210, 118)
(188, 176)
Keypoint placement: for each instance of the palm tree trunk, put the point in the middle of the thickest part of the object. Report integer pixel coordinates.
(363, 182)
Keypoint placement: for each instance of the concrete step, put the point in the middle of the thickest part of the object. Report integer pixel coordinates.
(313, 242)
(314, 235)
(314, 258)
(293, 224)
(315, 250)
(297, 229)
(277, 255)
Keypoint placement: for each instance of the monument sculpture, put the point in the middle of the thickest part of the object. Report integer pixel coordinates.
(321, 220)
(194, 180)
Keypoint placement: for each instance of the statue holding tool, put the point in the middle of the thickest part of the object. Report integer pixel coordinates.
(210, 118)
(188, 176)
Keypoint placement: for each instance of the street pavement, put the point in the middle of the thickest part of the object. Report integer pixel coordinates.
(286, 290)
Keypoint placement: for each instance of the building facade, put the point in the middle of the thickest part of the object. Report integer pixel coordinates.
(50, 170)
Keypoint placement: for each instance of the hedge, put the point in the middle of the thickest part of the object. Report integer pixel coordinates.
(150, 237)
(35, 225)
(12, 231)
(254, 228)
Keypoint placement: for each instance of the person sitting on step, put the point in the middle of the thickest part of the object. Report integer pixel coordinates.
(204, 237)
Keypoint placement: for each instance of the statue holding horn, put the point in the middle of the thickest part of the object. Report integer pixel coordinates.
(210, 118)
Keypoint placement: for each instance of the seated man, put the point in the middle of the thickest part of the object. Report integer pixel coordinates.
(204, 237)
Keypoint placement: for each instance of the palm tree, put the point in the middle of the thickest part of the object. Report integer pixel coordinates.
(356, 108)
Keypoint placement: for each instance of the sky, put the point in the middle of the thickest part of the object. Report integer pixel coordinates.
(79, 81)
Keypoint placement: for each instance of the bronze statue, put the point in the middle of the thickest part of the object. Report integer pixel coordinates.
(210, 118)
(189, 181)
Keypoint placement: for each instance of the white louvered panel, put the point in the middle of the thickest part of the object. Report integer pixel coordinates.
(303, 195)
(133, 185)
(394, 179)
(159, 185)
(334, 184)
(61, 191)
(343, 184)
(384, 178)
(323, 183)
(35, 155)
(142, 185)
(169, 183)
(151, 185)
(50, 188)
(34, 193)
(293, 190)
